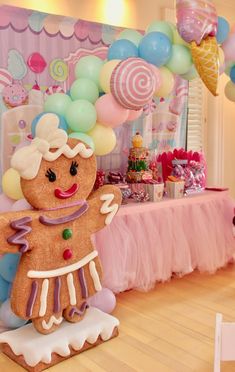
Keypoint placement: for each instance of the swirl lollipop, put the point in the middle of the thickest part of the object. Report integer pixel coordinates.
(133, 83)
(59, 70)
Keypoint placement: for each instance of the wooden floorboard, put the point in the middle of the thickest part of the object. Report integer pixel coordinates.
(169, 329)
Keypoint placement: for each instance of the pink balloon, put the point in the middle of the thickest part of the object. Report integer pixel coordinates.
(36, 63)
(222, 69)
(196, 19)
(134, 115)
(5, 203)
(109, 112)
(104, 300)
(229, 48)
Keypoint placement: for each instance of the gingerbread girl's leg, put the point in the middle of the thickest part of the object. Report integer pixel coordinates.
(49, 323)
(75, 313)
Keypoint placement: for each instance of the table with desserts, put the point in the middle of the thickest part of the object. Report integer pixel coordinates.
(149, 242)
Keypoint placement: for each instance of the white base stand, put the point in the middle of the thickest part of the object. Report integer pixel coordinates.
(35, 351)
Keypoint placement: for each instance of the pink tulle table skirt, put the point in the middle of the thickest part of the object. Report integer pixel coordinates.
(147, 243)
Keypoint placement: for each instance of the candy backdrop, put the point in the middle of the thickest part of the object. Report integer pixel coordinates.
(37, 46)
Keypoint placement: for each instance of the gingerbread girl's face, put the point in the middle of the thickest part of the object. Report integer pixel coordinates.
(61, 182)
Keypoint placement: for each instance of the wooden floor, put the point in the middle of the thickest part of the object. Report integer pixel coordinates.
(168, 329)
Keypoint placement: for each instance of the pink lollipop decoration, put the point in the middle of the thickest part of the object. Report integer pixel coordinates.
(36, 63)
(196, 19)
(133, 83)
(5, 78)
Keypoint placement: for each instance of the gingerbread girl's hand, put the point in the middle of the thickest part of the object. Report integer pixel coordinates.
(105, 202)
(14, 227)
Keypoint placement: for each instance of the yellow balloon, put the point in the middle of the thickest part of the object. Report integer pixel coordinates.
(168, 81)
(230, 91)
(11, 184)
(104, 139)
(105, 74)
(221, 56)
(177, 39)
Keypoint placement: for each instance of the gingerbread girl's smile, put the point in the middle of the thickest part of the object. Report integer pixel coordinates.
(60, 194)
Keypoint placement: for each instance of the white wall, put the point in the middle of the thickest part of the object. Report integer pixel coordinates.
(221, 124)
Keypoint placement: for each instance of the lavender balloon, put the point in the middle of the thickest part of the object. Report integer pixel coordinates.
(104, 300)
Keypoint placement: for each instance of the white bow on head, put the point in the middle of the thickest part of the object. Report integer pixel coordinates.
(27, 160)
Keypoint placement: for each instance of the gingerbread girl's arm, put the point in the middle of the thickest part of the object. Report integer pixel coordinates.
(14, 228)
(103, 205)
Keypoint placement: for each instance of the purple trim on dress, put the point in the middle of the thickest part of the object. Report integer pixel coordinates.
(32, 298)
(78, 202)
(76, 311)
(22, 229)
(83, 284)
(56, 308)
(61, 220)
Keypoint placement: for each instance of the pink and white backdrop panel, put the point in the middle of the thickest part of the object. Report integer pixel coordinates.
(60, 42)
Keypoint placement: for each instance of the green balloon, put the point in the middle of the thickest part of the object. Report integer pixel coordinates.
(84, 89)
(81, 115)
(132, 35)
(89, 67)
(161, 26)
(191, 74)
(57, 103)
(180, 61)
(84, 138)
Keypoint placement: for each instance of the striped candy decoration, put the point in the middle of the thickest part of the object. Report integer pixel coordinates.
(5, 79)
(133, 83)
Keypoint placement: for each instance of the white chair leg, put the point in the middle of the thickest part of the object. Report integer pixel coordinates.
(217, 356)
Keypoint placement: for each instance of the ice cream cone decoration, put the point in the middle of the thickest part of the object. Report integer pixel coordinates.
(206, 60)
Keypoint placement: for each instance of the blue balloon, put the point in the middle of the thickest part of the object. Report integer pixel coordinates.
(232, 74)
(155, 48)
(4, 288)
(8, 318)
(223, 30)
(8, 266)
(62, 125)
(122, 49)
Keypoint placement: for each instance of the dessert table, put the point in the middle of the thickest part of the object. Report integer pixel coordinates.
(149, 242)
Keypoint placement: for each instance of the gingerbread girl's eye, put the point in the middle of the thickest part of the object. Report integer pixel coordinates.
(73, 169)
(51, 175)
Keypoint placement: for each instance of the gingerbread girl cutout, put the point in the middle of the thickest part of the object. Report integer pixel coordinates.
(59, 268)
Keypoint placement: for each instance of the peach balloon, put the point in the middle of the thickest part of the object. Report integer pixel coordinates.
(134, 115)
(109, 112)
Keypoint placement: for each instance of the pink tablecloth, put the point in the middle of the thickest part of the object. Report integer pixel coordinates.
(148, 242)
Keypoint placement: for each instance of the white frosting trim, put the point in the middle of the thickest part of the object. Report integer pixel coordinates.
(49, 136)
(43, 297)
(95, 276)
(36, 348)
(53, 320)
(62, 270)
(71, 288)
(106, 208)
